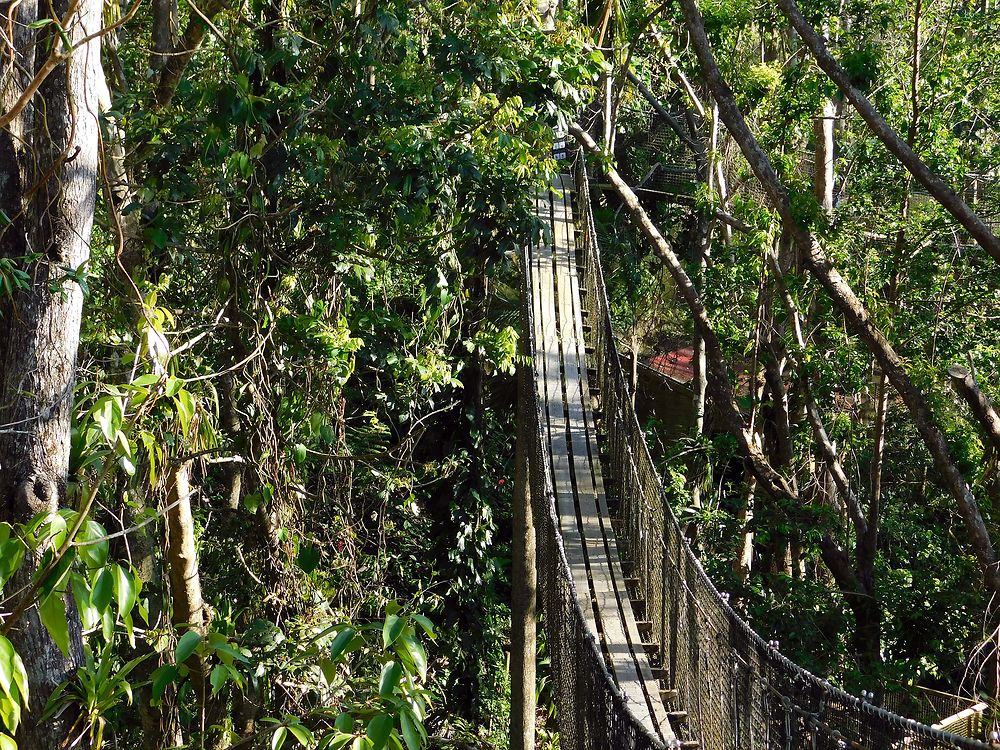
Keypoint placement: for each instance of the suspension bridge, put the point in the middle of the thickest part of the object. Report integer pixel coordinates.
(645, 652)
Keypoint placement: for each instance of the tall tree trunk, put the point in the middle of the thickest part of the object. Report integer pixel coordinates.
(48, 183)
(823, 133)
(524, 584)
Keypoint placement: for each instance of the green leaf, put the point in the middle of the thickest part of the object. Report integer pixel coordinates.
(391, 674)
(186, 407)
(415, 651)
(59, 573)
(6, 665)
(299, 453)
(308, 558)
(107, 413)
(173, 386)
(126, 590)
(425, 623)
(159, 680)
(278, 738)
(341, 642)
(21, 677)
(52, 611)
(344, 723)
(10, 713)
(94, 554)
(379, 729)
(302, 734)
(410, 734)
(392, 628)
(218, 678)
(7, 743)
(81, 595)
(103, 589)
(186, 646)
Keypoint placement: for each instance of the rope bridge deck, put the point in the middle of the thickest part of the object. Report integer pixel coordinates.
(645, 653)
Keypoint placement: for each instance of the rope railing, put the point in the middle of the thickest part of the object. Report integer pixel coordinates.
(738, 691)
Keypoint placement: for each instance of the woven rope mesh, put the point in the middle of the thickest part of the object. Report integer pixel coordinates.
(738, 691)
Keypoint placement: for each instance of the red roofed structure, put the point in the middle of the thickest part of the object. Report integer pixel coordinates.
(677, 365)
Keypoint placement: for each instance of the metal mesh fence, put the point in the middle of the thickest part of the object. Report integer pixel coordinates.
(739, 692)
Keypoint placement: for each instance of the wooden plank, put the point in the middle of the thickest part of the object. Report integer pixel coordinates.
(556, 414)
(630, 662)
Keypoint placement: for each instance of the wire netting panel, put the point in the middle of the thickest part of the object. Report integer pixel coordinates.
(739, 692)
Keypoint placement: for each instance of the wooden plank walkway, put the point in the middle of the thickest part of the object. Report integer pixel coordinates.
(561, 381)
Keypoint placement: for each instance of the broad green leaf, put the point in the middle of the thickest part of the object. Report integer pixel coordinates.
(7, 743)
(410, 734)
(425, 623)
(186, 406)
(6, 665)
(94, 554)
(89, 615)
(107, 413)
(21, 678)
(160, 678)
(302, 734)
(344, 723)
(10, 713)
(55, 578)
(186, 646)
(329, 670)
(146, 380)
(126, 590)
(379, 729)
(173, 386)
(335, 741)
(103, 590)
(308, 558)
(392, 628)
(218, 678)
(278, 738)
(52, 611)
(341, 642)
(409, 649)
(391, 673)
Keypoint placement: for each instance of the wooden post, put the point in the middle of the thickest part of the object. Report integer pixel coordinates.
(524, 584)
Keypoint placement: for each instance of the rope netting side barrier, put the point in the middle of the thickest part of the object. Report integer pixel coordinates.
(592, 712)
(738, 691)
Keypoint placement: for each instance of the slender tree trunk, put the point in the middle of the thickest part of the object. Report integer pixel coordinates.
(164, 34)
(979, 403)
(182, 554)
(823, 132)
(524, 586)
(48, 183)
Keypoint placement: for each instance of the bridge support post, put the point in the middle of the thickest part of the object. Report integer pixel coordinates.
(524, 582)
